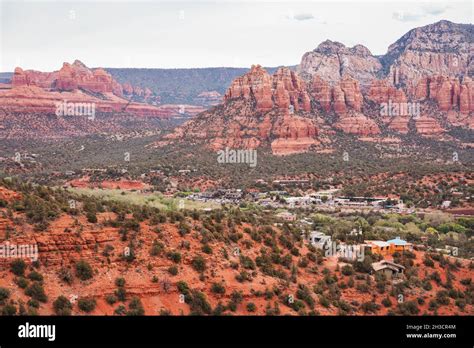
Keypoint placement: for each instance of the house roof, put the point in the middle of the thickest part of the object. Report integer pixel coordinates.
(397, 241)
(378, 243)
(377, 266)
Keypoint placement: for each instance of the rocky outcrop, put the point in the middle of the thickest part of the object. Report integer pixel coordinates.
(358, 124)
(255, 85)
(426, 125)
(245, 128)
(343, 96)
(382, 91)
(77, 76)
(332, 61)
(450, 93)
(32, 78)
(282, 90)
(34, 91)
(442, 48)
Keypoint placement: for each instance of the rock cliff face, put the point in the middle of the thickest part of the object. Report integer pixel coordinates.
(259, 110)
(34, 91)
(450, 93)
(442, 48)
(346, 89)
(281, 90)
(332, 61)
(77, 76)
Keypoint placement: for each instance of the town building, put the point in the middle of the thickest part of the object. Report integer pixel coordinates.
(389, 247)
(287, 216)
(389, 269)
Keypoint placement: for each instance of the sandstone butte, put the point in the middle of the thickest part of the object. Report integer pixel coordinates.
(280, 109)
(341, 88)
(35, 91)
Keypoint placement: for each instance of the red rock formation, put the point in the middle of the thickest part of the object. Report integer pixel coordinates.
(449, 93)
(339, 102)
(281, 90)
(426, 125)
(381, 91)
(321, 92)
(357, 123)
(289, 89)
(69, 78)
(32, 78)
(341, 97)
(352, 95)
(256, 84)
(441, 48)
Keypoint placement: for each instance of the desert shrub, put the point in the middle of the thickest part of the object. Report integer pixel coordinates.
(218, 288)
(135, 307)
(156, 248)
(247, 262)
(120, 310)
(65, 275)
(36, 291)
(120, 282)
(408, 308)
(174, 256)
(36, 276)
(22, 282)
(387, 302)
(8, 310)
(33, 303)
(183, 228)
(347, 270)
(164, 312)
(362, 287)
(364, 266)
(84, 270)
(111, 299)
(199, 264)
(428, 262)
(18, 267)
(461, 303)
(436, 277)
(199, 304)
(442, 297)
(173, 270)
(206, 248)
(62, 306)
(370, 307)
(86, 304)
(121, 293)
(426, 284)
(303, 293)
(324, 301)
(91, 217)
(4, 294)
(243, 276)
(251, 307)
(183, 288)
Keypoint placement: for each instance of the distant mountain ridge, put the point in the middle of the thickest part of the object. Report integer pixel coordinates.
(180, 86)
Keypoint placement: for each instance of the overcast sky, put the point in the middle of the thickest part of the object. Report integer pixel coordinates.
(155, 34)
